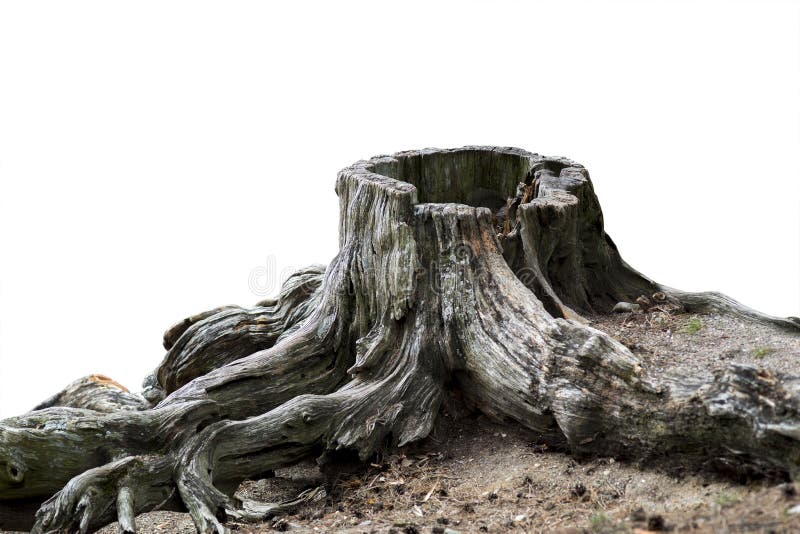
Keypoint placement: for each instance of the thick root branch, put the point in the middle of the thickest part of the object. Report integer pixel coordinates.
(116, 491)
(212, 339)
(98, 393)
(710, 302)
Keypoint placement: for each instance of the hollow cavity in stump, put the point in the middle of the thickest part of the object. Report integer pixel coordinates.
(468, 269)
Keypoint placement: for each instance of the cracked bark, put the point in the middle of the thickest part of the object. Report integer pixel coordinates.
(463, 269)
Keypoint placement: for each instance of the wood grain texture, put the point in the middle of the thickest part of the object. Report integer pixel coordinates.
(463, 269)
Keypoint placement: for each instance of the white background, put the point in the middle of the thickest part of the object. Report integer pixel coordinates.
(152, 154)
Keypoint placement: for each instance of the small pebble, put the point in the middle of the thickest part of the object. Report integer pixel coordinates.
(626, 307)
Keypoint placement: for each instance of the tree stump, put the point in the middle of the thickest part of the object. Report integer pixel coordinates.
(468, 269)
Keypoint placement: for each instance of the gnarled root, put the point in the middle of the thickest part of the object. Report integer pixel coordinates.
(98, 393)
(605, 401)
(115, 491)
(211, 339)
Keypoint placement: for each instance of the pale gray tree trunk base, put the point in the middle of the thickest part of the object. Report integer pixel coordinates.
(466, 270)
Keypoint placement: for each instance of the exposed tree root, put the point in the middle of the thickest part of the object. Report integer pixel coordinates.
(209, 340)
(98, 393)
(465, 269)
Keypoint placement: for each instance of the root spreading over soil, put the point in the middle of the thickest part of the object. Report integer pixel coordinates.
(469, 281)
(473, 475)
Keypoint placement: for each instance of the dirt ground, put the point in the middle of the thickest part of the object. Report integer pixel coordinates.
(472, 475)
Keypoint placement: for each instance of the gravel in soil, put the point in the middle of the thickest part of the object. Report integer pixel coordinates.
(700, 344)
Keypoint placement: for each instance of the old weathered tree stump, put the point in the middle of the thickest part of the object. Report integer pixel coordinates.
(465, 269)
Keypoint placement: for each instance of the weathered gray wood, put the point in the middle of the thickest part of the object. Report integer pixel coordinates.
(466, 268)
(212, 339)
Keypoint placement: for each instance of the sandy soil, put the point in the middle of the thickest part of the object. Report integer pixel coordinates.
(701, 343)
(472, 475)
(476, 476)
